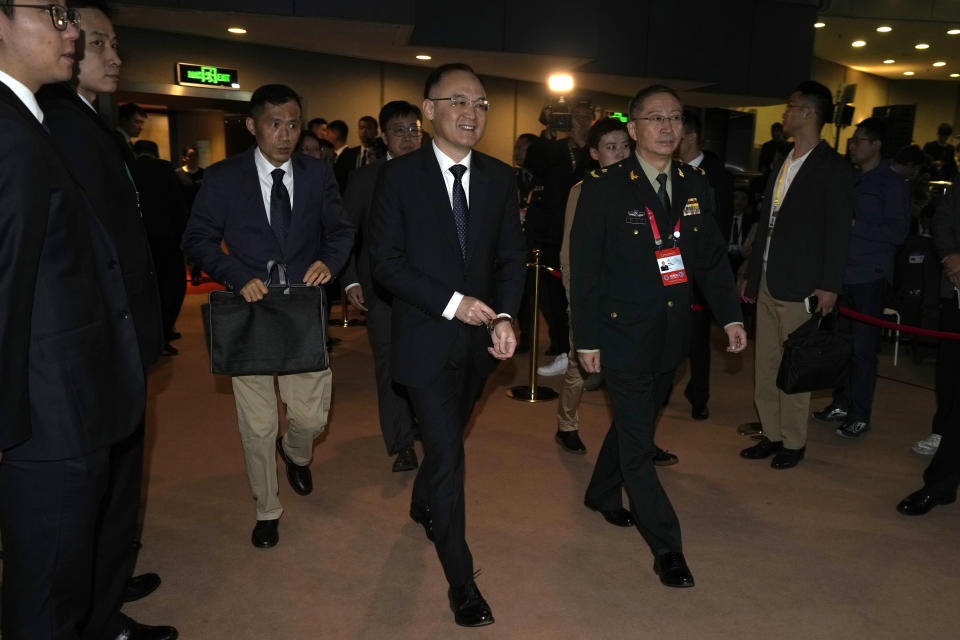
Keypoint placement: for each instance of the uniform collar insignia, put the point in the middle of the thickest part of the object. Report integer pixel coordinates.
(633, 176)
(680, 172)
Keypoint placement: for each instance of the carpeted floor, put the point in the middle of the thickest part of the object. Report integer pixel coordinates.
(813, 552)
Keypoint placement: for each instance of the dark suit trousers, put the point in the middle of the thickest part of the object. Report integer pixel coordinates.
(626, 457)
(943, 474)
(947, 380)
(171, 282)
(443, 408)
(698, 387)
(396, 416)
(856, 394)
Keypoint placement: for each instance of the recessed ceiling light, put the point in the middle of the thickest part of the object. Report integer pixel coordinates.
(884, 29)
(908, 73)
(955, 75)
(889, 61)
(237, 30)
(953, 32)
(940, 64)
(921, 45)
(858, 43)
(819, 25)
(424, 56)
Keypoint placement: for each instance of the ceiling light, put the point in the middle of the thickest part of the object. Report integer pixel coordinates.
(908, 73)
(858, 43)
(955, 75)
(921, 45)
(560, 82)
(889, 61)
(819, 25)
(953, 32)
(940, 64)
(424, 56)
(237, 30)
(884, 29)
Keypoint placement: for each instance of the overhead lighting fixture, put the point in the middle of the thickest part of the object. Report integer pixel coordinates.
(560, 82)
(908, 73)
(858, 43)
(424, 56)
(819, 25)
(953, 32)
(884, 29)
(889, 61)
(237, 30)
(955, 75)
(940, 64)
(921, 45)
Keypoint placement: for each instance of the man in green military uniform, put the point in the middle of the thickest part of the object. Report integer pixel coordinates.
(643, 230)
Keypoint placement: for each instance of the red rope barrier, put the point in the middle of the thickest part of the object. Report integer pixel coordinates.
(886, 324)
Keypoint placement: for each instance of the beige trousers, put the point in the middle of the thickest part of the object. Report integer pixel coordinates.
(571, 390)
(307, 396)
(784, 416)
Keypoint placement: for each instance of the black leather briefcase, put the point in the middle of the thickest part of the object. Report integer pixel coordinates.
(815, 356)
(285, 332)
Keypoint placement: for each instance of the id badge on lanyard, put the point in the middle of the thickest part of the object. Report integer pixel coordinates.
(669, 261)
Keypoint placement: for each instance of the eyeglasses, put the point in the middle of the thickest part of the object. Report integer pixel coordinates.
(659, 120)
(413, 131)
(460, 103)
(798, 106)
(59, 14)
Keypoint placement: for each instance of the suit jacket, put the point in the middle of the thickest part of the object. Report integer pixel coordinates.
(415, 254)
(345, 163)
(722, 183)
(71, 370)
(946, 234)
(358, 202)
(808, 248)
(619, 302)
(163, 203)
(96, 160)
(229, 207)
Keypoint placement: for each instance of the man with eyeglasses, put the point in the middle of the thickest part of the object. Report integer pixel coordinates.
(643, 229)
(800, 252)
(94, 155)
(73, 376)
(400, 122)
(447, 245)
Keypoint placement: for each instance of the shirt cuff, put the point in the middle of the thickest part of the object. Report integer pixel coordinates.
(730, 324)
(588, 350)
(450, 311)
(350, 286)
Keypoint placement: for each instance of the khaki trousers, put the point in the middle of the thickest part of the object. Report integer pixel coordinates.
(307, 396)
(571, 390)
(784, 416)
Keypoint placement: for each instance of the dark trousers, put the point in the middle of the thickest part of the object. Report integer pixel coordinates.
(171, 282)
(553, 303)
(443, 408)
(856, 393)
(626, 457)
(943, 474)
(698, 387)
(947, 380)
(396, 416)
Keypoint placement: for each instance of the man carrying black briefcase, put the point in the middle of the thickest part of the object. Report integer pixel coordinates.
(268, 205)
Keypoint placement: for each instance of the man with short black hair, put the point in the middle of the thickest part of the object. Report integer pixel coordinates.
(337, 132)
(943, 153)
(776, 146)
(800, 253)
(130, 120)
(318, 127)
(271, 205)
(371, 146)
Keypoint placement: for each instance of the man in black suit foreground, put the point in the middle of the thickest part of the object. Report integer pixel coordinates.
(400, 122)
(269, 204)
(454, 264)
(800, 251)
(73, 389)
(95, 158)
(642, 228)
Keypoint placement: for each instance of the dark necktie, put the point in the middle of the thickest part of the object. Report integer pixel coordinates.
(280, 212)
(735, 232)
(662, 192)
(460, 209)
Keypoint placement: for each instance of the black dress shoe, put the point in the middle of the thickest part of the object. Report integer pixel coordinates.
(406, 460)
(140, 586)
(169, 350)
(570, 442)
(265, 534)
(787, 458)
(468, 606)
(130, 629)
(663, 458)
(619, 517)
(672, 569)
(298, 476)
(763, 449)
(420, 514)
(174, 335)
(920, 502)
(699, 412)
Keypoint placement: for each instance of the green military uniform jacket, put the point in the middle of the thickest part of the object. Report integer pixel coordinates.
(619, 303)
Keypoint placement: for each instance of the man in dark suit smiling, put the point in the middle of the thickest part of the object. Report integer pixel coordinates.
(447, 245)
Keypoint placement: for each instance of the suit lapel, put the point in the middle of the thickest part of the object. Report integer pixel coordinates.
(478, 203)
(439, 198)
(816, 155)
(300, 196)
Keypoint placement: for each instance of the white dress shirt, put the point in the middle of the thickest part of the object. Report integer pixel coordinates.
(26, 96)
(788, 171)
(265, 174)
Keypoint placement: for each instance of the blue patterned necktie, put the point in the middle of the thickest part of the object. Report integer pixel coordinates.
(662, 192)
(460, 210)
(280, 212)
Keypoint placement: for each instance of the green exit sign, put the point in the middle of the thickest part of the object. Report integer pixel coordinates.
(616, 115)
(203, 75)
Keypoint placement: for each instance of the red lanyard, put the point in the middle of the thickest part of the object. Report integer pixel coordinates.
(656, 231)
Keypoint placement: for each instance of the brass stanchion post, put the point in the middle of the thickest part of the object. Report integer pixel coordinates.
(531, 392)
(346, 312)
